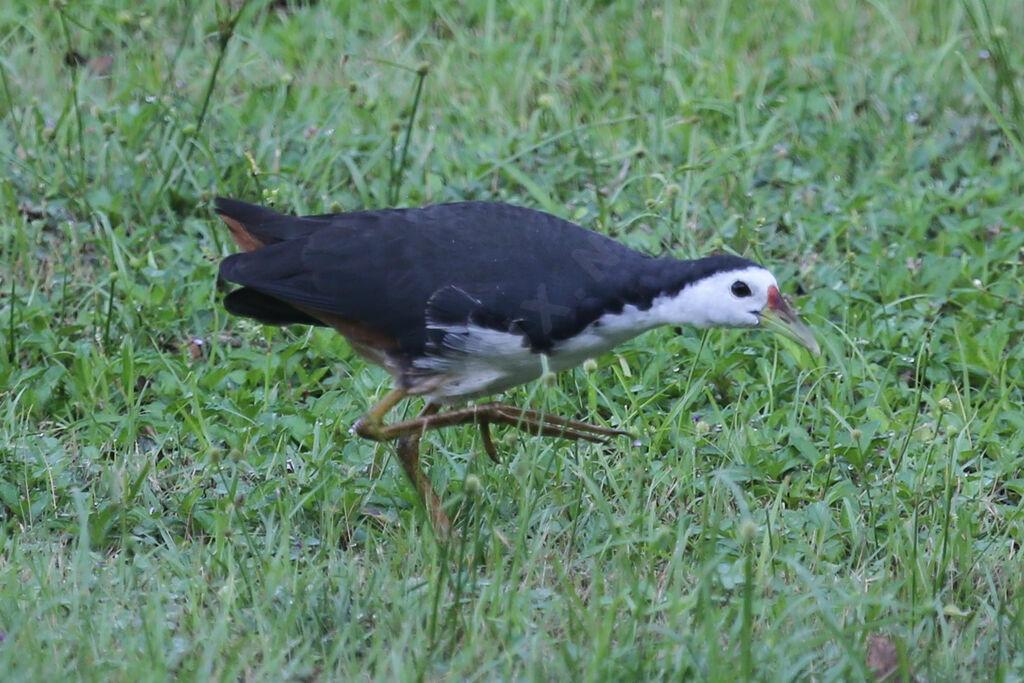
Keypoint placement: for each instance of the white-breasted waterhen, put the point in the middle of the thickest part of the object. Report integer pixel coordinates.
(464, 300)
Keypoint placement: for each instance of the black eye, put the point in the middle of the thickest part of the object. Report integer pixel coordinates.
(740, 289)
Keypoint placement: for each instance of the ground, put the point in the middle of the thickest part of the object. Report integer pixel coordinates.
(180, 494)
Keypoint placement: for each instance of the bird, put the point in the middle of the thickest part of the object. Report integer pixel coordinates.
(465, 300)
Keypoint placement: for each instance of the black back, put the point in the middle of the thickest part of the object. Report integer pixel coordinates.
(495, 265)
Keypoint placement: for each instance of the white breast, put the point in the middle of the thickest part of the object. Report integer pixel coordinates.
(479, 361)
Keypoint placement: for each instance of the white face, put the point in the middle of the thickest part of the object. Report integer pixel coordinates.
(732, 298)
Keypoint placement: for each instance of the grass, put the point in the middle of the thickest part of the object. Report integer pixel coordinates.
(179, 493)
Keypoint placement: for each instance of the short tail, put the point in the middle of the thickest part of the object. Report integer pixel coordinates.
(253, 226)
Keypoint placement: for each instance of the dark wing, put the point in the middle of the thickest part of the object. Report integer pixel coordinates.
(513, 269)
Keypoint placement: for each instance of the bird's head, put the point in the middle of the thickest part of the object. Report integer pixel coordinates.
(746, 296)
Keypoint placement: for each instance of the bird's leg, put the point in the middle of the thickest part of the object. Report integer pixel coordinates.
(408, 449)
(371, 426)
(524, 419)
(407, 433)
(485, 437)
(553, 424)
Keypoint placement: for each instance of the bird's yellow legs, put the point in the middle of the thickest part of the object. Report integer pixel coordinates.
(408, 432)
(408, 448)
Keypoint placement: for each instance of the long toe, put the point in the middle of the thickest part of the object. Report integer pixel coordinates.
(535, 417)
